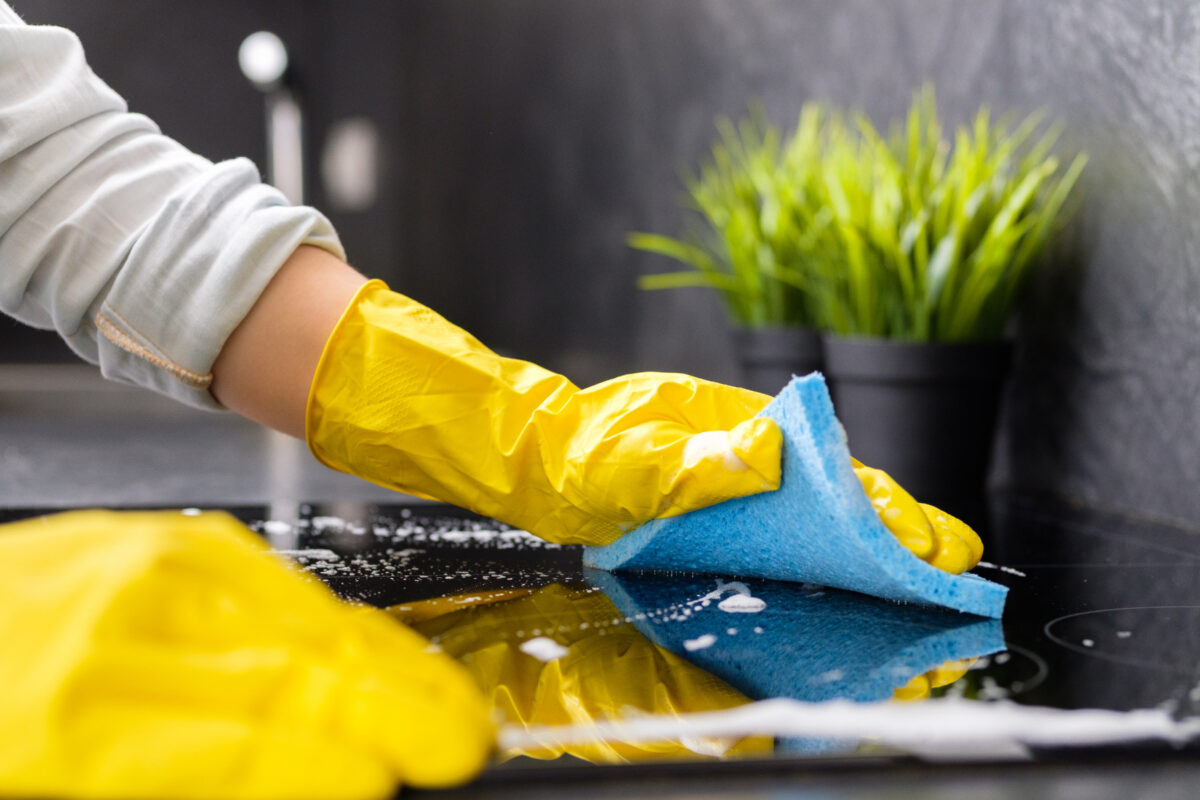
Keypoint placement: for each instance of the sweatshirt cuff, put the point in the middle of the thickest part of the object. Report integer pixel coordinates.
(193, 276)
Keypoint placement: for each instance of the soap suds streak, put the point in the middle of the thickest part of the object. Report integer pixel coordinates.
(946, 725)
(1006, 570)
(450, 530)
(315, 553)
(699, 643)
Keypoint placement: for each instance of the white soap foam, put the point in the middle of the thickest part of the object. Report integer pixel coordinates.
(1008, 570)
(832, 676)
(699, 643)
(741, 601)
(742, 604)
(712, 446)
(543, 649)
(276, 527)
(707, 747)
(946, 728)
(316, 553)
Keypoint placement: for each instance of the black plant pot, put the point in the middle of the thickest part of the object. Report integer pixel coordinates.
(769, 357)
(923, 412)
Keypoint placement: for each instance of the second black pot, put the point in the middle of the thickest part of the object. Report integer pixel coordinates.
(923, 412)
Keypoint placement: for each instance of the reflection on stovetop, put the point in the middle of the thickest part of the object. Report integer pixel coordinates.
(1102, 614)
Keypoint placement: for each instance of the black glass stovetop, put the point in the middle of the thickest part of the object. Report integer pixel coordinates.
(1103, 613)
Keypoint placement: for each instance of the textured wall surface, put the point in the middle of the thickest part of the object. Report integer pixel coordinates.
(525, 138)
(547, 131)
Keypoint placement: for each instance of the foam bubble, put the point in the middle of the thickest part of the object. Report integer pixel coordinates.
(741, 604)
(543, 649)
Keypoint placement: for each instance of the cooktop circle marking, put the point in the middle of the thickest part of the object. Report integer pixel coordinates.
(1113, 635)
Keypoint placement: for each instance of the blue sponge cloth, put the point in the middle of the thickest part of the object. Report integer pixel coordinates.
(819, 527)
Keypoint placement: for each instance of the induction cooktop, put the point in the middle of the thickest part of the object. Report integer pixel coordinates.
(1099, 646)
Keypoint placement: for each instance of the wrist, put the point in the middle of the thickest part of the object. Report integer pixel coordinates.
(266, 366)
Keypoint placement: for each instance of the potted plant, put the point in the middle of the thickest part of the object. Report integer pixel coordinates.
(908, 252)
(752, 205)
(924, 250)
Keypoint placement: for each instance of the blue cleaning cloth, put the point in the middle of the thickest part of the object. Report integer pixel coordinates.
(807, 643)
(819, 527)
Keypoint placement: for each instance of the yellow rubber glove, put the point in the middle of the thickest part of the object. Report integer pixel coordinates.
(162, 655)
(601, 670)
(405, 399)
(940, 539)
(921, 686)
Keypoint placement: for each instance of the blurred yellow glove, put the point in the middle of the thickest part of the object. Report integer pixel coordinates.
(405, 399)
(587, 669)
(162, 655)
(931, 534)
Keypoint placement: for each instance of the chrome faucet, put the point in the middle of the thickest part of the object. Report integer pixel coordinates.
(264, 61)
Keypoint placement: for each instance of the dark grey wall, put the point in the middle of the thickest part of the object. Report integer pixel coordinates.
(525, 138)
(548, 130)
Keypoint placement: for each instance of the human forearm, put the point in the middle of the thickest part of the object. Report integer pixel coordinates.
(266, 366)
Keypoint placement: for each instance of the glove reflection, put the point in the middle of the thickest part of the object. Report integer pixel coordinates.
(656, 644)
(596, 667)
(921, 686)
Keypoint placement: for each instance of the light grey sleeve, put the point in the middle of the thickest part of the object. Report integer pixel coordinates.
(141, 254)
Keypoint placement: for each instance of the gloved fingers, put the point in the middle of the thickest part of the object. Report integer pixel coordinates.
(950, 529)
(936, 537)
(720, 465)
(952, 554)
(898, 511)
(656, 444)
(717, 405)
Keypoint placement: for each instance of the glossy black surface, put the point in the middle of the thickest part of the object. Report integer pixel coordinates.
(1102, 613)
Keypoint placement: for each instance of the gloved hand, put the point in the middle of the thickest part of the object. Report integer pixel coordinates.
(405, 399)
(940, 539)
(162, 655)
(601, 671)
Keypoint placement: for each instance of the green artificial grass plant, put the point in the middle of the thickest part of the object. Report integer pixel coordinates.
(756, 196)
(913, 236)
